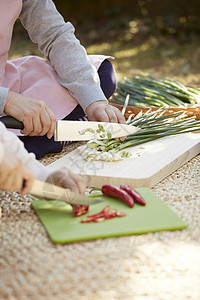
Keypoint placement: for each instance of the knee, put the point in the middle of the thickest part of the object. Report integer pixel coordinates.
(108, 78)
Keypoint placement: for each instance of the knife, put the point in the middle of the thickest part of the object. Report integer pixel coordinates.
(50, 191)
(79, 130)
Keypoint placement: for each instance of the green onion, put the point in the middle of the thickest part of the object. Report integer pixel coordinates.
(153, 125)
(101, 128)
(145, 90)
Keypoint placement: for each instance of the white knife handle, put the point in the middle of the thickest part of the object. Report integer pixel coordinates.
(49, 191)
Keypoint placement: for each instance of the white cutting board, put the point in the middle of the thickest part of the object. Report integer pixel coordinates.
(158, 159)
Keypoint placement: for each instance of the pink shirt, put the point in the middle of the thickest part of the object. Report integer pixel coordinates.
(66, 78)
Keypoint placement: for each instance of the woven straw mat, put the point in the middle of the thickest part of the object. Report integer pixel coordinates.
(154, 266)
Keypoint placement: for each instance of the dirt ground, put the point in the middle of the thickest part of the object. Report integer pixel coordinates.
(158, 56)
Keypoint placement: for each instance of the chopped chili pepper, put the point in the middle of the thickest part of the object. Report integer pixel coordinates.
(114, 191)
(80, 210)
(105, 214)
(133, 193)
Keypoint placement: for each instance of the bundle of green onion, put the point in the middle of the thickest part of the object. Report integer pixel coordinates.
(145, 91)
(153, 125)
(156, 125)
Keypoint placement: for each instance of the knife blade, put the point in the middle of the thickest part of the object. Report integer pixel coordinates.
(79, 130)
(84, 131)
(50, 191)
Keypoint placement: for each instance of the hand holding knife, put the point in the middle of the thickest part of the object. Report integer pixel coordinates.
(50, 191)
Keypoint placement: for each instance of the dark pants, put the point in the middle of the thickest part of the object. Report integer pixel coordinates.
(41, 145)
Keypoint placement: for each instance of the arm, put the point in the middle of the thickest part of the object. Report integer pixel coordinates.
(13, 174)
(12, 171)
(15, 147)
(56, 40)
(16, 165)
(3, 96)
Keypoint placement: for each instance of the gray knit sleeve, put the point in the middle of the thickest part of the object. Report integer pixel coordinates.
(57, 41)
(3, 96)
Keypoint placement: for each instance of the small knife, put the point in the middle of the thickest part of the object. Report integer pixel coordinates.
(50, 191)
(79, 130)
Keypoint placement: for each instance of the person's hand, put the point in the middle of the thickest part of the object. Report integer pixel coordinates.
(14, 176)
(67, 179)
(101, 111)
(37, 118)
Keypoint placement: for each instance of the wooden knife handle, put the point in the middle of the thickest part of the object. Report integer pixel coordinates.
(47, 190)
(11, 122)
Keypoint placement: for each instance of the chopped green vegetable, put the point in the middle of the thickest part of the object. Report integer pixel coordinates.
(109, 135)
(82, 132)
(101, 128)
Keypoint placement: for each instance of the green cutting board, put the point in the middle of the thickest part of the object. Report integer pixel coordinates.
(62, 227)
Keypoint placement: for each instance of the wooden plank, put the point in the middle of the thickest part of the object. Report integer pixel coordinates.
(158, 159)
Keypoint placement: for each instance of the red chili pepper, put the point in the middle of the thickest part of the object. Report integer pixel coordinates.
(105, 214)
(80, 210)
(114, 191)
(133, 193)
